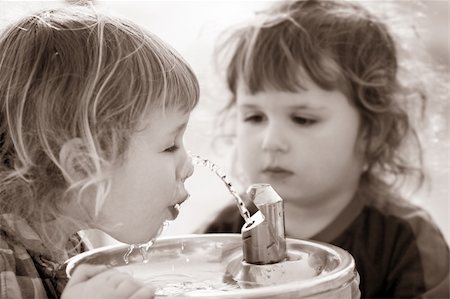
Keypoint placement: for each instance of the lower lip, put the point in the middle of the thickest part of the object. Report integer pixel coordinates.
(175, 209)
(174, 212)
(277, 175)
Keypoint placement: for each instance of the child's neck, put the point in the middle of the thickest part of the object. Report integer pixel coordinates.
(305, 222)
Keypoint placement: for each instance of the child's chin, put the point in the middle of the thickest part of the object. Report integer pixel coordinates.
(148, 237)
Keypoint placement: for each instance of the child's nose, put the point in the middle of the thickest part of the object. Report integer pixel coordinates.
(187, 169)
(274, 139)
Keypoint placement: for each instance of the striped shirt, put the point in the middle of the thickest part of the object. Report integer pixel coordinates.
(26, 269)
(399, 252)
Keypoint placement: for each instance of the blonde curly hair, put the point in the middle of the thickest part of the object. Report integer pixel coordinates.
(77, 73)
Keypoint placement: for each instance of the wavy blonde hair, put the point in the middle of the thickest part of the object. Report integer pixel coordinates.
(341, 46)
(76, 73)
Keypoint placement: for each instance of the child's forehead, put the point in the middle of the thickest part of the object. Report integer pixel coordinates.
(165, 120)
(280, 100)
(291, 78)
(312, 98)
(245, 93)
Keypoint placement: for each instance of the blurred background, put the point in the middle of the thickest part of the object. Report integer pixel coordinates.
(192, 27)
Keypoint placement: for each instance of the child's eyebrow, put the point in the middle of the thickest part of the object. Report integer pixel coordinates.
(306, 107)
(249, 106)
(290, 107)
(252, 106)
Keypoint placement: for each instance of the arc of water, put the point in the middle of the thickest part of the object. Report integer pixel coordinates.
(197, 160)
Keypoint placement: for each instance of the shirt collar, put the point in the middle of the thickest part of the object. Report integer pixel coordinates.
(341, 222)
(19, 229)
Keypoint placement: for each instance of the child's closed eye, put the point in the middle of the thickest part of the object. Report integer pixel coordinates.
(304, 121)
(171, 149)
(254, 118)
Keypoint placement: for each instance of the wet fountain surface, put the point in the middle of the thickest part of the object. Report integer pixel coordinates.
(211, 266)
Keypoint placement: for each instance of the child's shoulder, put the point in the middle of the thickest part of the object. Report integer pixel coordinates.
(16, 265)
(401, 220)
(24, 265)
(13, 250)
(409, 240)
(7, 249)
(16, 230)
(398, 208)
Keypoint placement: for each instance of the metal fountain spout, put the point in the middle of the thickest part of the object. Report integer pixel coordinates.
(263, 238)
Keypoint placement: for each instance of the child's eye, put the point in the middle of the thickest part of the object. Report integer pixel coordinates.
(255, 118)
(171, 149)
(303, 120)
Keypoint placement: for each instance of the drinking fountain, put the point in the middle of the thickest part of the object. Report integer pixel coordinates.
(258, 263)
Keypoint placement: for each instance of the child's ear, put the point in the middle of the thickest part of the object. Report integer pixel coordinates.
(362, 148)
(74, 166)
(72, 161)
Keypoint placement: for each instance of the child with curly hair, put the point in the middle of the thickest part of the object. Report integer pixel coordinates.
(93, 113)
(320, 115)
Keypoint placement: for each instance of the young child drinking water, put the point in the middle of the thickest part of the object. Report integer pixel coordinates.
(93, 112)
(320, 116)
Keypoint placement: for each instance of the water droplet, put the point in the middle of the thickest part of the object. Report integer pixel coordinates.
(126, 257)
(144, 254)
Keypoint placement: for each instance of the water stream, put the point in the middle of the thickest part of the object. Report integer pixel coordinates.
(196, 160)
